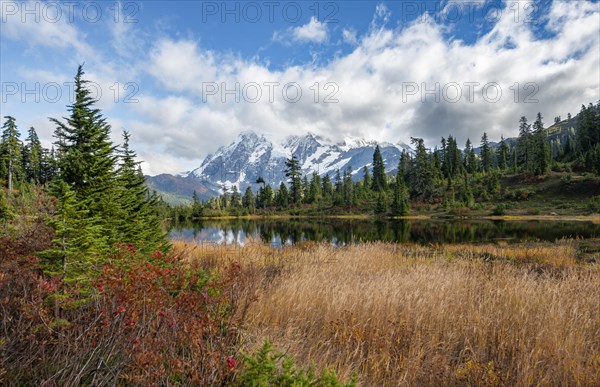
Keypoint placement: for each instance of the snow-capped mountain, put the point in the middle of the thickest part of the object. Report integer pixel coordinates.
(252, 156)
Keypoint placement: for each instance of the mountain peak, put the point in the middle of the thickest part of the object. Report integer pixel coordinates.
(245, 134)
(252, 156)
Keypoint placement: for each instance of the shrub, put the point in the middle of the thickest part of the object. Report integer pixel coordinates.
(269, 368)
(499, 210)
(150, 320)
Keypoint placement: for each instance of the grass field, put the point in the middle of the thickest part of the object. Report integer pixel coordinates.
(410, 315)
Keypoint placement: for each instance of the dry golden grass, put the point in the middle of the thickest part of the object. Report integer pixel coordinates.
(411, 315)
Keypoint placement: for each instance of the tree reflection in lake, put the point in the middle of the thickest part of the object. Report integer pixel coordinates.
(346, 231)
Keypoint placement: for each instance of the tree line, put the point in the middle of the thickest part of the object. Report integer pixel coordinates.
(454, 176)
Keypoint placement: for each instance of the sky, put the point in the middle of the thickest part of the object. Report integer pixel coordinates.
(185, 77)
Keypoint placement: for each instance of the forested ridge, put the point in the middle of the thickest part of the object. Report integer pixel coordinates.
(446, 177)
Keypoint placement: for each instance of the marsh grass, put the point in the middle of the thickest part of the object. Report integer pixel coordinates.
(413, 315)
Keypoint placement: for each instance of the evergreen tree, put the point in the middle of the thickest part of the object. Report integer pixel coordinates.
(248, 201)
(86, 155)
(588, 128)
(524, 143)
(514, 162)
(400, 201)
(224, 197)
(32, 157)
(541, 151)
(268, 196)
(196, 206)
(315, 192)
(380, 203)
(282, 197)
(135, 218)
(105, 189)
(48, 169)
(10, 151)
(348, 187)
(422, 176)
(236, 198)
(79, 246)
(305, 189)
(451, 157)
(486, 154)
(327, 188)
(379, 179)
(470, 162)
(503, 155)
(293, 173)
(405, 164)
(366, 178)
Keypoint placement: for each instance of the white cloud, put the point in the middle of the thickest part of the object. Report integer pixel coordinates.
(175, 128)
(371, 79)
(349, 36)
(312, 32)
(42, 27)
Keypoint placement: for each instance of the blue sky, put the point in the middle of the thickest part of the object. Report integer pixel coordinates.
(185, 77)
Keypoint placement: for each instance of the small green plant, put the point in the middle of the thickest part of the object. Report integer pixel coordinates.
(499, 210)
(270, 368)
(593, 206)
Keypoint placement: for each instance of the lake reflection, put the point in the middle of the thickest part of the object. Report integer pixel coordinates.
(345, 231)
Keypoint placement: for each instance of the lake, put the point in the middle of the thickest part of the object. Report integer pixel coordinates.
(347, 231)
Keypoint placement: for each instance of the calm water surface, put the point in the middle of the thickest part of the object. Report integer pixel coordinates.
(343, 231)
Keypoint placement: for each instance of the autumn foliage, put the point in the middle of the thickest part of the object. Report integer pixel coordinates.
(148, 320)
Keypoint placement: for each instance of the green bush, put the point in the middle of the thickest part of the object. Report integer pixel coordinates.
(593, 206)
(269, 368)
(499, 210)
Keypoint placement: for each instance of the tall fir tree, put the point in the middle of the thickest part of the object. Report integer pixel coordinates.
(248, 200)
(503, 154)
(80, 244)
(10, 152)
(422, 177)
(524, 144)
(541, 151)
(86, 155)
(366, 178)
(33, 157)
(315, 192)
(101, 185)
(282, 198)
(487, 157)
(139, 223)
(293, 173)
(470, 160)
(379, 179)
(400, 200)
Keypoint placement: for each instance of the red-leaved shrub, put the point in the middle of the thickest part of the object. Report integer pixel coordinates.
(147, 320)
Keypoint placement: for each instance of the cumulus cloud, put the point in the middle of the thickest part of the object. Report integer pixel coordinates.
(314, 31)
(48, 26)
(394, 83)
(349, 36)
(399, 83)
